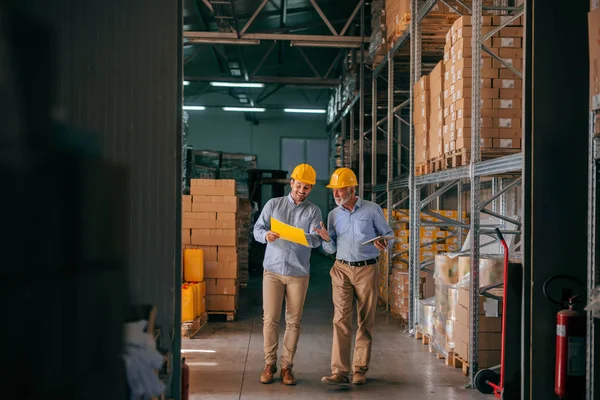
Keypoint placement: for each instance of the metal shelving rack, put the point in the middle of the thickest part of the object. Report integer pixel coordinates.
(593, 275)
(390, 194)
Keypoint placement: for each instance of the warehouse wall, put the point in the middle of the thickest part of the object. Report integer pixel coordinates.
(230, 132)
(118, 72)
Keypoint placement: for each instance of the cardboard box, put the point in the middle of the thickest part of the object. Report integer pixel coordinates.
(221, 286)
(507, 104)
(510, 113)
(226, 253)
(186, 236)
(508, 83)
(505, 73)
(213, 187)
(225, 224)
(186, 202)
(466, 123)
(465, 143)
(486, 358)
(511, 31)
(467, 72)
(486, 324)
(200, 215)
(484, 133)
(516, 63)
(215, 207)
(507, 52)
(498, 20)
(504, 133)
(466, 104)
(214, 237)
(464, 63)
(466, 94)
(507, 42)
(198, 223)
(510, 123)
(218, 302)
(507, 143)
(221, 270)
(510, 94)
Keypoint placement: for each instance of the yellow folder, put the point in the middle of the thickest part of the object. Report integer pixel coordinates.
(288, 232)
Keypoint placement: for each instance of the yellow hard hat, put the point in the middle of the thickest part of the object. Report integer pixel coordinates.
(341, 178)
(305, 174)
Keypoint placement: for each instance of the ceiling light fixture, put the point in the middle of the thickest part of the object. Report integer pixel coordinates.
(238, 84)
(194, 108)
(305, 110)
(339, 45)
(244, 109)
(186, 83)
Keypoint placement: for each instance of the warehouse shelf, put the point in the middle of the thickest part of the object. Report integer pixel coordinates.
(593, 272)
(460, 179)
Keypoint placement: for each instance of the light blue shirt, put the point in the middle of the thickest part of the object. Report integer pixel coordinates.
(348, 229)
(283, 257)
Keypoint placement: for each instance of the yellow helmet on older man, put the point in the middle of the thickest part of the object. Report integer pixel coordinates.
(305, 174)
(341, 178)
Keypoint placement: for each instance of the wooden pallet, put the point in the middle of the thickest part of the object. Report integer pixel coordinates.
(460, 362)
(462, 157)
(190, 329)
(230, 315)
(422, 169)
(426, 339)
(437, 164)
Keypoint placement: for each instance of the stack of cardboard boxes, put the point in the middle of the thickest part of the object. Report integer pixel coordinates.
(210, 223)
(421, 115)
(435, 148)
(244, 220)
(490, 329)
(501, 91)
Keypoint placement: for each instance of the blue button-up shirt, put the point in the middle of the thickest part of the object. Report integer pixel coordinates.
(349, 229)
(283, 257)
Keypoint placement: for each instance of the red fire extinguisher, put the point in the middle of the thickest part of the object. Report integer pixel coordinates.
(185, 380)
(571, 327)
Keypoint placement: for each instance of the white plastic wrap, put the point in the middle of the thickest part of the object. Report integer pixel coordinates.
(594, 303)
(426, 315)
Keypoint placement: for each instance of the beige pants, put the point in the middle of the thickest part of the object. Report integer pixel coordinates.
(276, 287)
(353, 284)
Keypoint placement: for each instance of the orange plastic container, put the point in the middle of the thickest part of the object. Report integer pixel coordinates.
(202, 297)
(187, 303)
(193, 265)
(196, 290)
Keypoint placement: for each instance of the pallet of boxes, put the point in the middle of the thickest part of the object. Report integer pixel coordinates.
(452, 312)
(443, 99)
(210, 225)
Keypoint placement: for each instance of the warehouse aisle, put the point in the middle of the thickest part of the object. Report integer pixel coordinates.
(228, 357)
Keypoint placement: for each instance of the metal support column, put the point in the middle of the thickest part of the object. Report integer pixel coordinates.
(361, 116)
(344, 137)
(495, 184)
(593, 278)
(373, 137)
(414, 241)
(390, 167)
(351, 139)
(476, 21)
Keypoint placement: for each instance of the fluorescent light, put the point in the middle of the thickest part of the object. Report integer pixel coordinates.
(339, 45)
(201, 364)
(185, 351)
(194, 108)
(238, 84)
(186, 83)
(305, 110)
(244, 109)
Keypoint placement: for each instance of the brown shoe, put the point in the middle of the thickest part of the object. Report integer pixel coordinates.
(335, 379)
(359, 378)
(287, 375)
(267, 375)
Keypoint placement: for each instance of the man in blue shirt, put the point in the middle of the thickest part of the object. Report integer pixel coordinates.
(354, 276)
(286, 270)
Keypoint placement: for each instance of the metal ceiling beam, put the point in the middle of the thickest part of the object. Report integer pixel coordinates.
(229, 36)
(358, 6)
(310, 64)
(262, 61)
(253, 17)
(282, 80)
(323, 17)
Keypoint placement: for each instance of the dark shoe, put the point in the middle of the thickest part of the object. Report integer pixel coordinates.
(267, 374)
(335, 379)
(288, 376)
(359, 378)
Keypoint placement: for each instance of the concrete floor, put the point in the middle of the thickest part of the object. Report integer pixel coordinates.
(231, 357)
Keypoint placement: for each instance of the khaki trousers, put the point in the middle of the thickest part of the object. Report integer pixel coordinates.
(352, 284)
(276, 287)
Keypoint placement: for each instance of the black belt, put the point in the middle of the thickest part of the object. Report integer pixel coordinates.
(359, 263)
